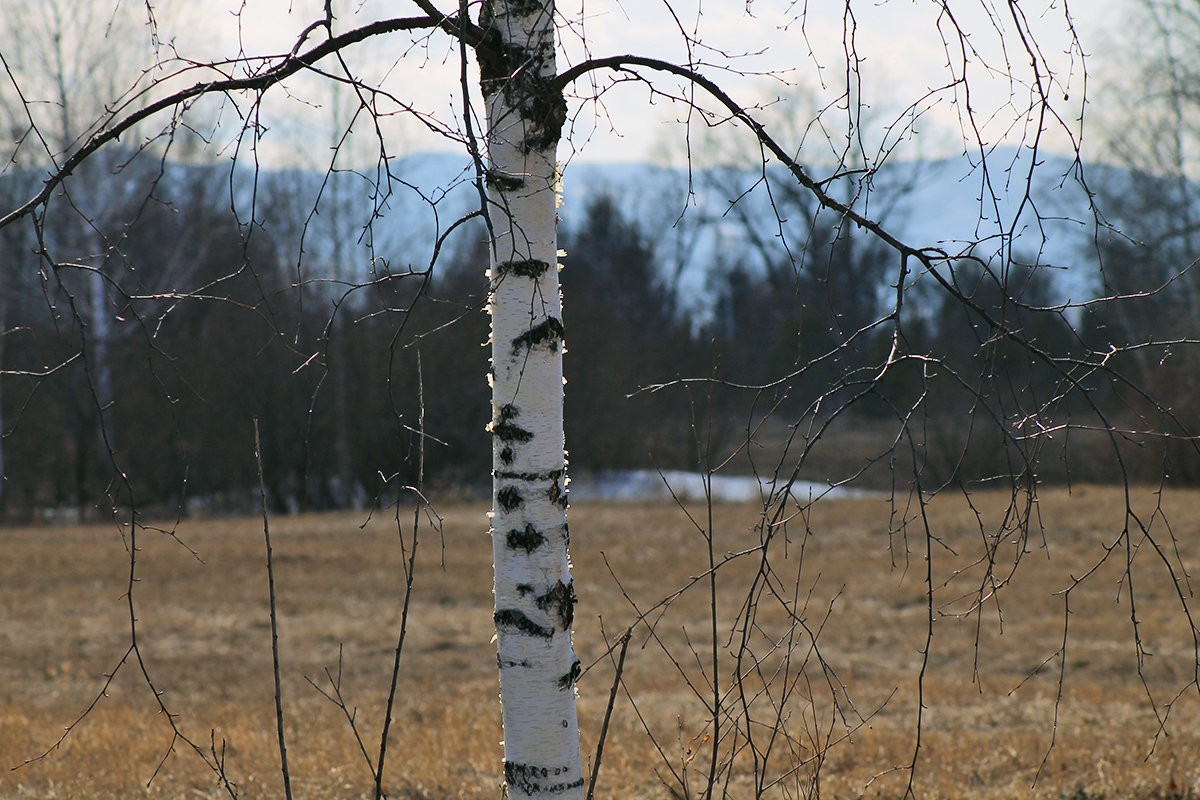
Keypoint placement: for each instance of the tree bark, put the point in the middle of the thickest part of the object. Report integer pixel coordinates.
(533, 588)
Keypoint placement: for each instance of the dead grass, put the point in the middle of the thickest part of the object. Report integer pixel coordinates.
(990, 686)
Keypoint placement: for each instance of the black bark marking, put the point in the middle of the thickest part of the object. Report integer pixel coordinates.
(559, 788)
(498, 64)
(492, 63)
(551, 475)
(522, 776)
(513, 8)
(524, 589)
(518, 71)
(507, 455)
(503, 182)
(517, 620)
(526, 268)
(568, 680)
(556, 493)
(549, 114)
(509, 498)
(528, 778)
(528, 540)
(508, 432)
(503, 427)
(508, 663)
(548, 332)
(559, 602)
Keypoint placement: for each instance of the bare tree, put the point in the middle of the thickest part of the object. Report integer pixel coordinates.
(1149, 239)
(65, 77)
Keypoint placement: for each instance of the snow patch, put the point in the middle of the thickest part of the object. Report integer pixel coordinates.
(647, 484)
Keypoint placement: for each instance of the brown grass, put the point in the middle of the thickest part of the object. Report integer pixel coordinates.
(204, 636)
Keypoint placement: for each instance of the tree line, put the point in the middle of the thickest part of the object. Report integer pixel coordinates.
(149, 341)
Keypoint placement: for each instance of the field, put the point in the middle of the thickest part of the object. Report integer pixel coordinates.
(997, 686)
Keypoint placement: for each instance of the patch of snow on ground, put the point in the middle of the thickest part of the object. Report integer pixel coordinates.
(647, 484)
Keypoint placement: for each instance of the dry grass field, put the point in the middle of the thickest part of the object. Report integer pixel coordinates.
(989, 688)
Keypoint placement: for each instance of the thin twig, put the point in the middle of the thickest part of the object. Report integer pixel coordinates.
(409, 573)
(262, 494)
(612, 698)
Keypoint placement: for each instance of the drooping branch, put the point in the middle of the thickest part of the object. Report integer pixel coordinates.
(286, 67)
(928, 257)
(739, 112)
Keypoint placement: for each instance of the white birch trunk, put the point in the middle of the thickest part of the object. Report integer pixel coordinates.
(534, 593)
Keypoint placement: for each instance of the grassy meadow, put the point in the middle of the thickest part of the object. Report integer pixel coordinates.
(990, 687)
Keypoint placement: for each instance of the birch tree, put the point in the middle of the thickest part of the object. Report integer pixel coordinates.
(535, 596)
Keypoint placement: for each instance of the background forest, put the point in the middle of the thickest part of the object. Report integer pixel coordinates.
(171, 295)
(202, 320)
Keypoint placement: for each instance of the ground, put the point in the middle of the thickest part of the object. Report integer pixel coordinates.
(990, 683)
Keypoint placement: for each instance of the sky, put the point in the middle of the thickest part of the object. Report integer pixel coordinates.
(787, 55)
(760, 49)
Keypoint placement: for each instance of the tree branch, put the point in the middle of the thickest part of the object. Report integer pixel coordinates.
(621, 62)
(287, 67)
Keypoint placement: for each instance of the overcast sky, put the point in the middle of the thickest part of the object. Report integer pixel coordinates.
(759, 49)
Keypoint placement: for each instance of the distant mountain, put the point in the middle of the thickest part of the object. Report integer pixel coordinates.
(701, 220)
